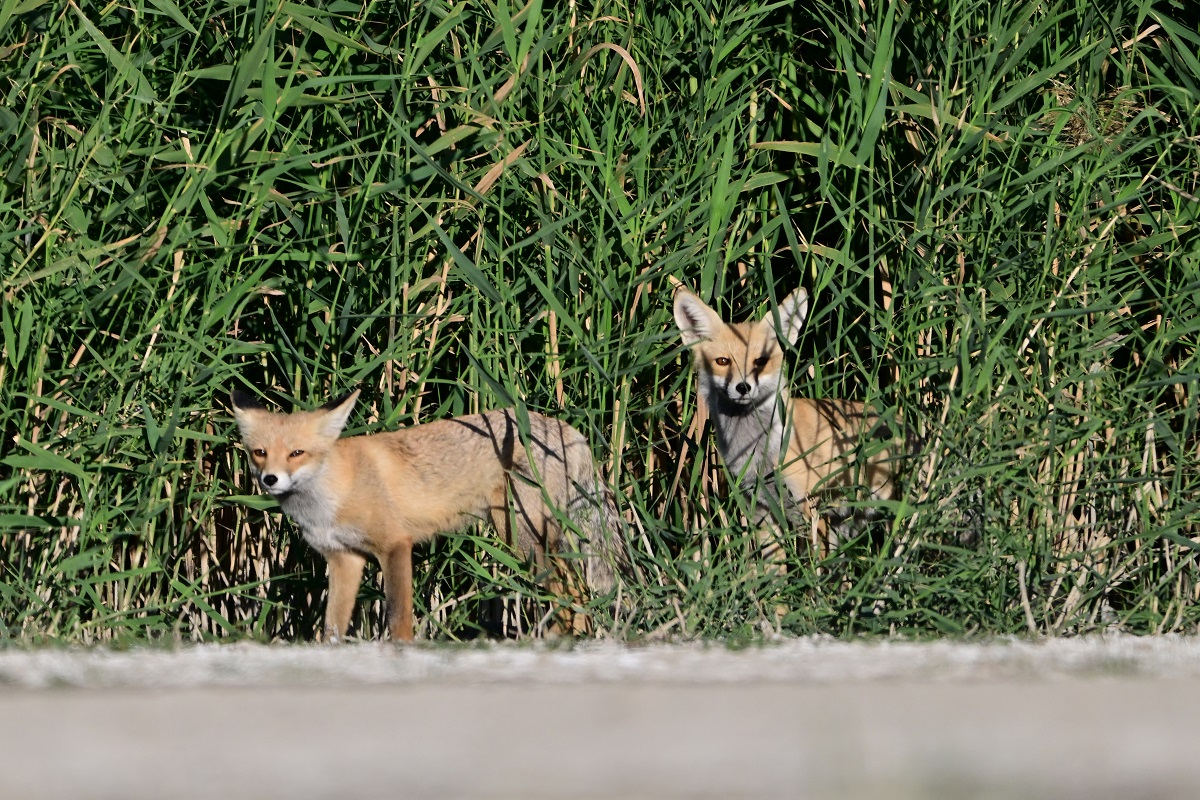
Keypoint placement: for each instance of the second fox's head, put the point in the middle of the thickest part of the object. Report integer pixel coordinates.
(742, 362)
(288, 450)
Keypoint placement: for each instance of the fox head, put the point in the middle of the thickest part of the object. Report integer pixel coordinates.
(288, 450)
(742, 362)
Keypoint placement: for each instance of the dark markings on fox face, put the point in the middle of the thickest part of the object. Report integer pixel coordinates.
(719, 363)
(767, 359)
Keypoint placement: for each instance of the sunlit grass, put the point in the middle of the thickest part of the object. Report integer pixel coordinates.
(459, 206)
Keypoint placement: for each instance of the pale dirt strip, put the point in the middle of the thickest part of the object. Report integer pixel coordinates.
(1065, 719)
(806, 660)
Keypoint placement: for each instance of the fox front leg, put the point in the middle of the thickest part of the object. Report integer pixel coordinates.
(398, 586)
(345, 575)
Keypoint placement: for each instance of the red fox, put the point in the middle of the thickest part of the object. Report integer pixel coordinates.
(381, 494)
(814, 443)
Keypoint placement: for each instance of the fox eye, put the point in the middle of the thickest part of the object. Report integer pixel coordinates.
(722, 361)
(258, 452)
(295, 454)
(761, 362)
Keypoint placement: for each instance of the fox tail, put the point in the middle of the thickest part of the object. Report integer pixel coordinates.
(601, 538)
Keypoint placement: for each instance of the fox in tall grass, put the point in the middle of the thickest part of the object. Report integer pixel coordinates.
(818, 446)
(379, 495)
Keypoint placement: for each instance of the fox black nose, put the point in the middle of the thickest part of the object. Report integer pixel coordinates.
(269, 480)
(743, 388)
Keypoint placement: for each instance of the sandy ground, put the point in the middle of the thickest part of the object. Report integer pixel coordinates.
(809, 718)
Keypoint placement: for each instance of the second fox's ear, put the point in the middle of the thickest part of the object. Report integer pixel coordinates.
(793, 310)
(696, 320)
(336, 414)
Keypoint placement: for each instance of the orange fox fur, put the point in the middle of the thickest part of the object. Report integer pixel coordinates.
(815, 444)
(379, 495)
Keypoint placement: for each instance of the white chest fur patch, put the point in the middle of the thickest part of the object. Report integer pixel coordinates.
(317, 519)
(337, 537)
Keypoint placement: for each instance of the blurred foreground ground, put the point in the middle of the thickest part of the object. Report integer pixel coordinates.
(809, 718)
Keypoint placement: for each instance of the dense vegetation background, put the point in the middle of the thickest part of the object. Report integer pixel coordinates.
(458, 205)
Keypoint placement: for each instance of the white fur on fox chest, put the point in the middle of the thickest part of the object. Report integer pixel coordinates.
(748, 441)
(317, 518)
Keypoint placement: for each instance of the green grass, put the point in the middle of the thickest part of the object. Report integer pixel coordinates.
(459, 206)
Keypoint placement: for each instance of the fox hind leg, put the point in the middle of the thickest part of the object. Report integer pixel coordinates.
(567, 586)
(541, 537)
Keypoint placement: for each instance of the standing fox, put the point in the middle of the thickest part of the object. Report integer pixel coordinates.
(814, 443)
(381, 494)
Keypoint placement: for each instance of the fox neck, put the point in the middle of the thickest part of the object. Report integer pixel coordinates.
(748, 436)
(312, 505)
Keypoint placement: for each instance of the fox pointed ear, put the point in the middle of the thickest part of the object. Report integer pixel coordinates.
(244, 408)
(793, 310)
(696, 320)
(337, 414)
(337, 402)
(242, 401)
